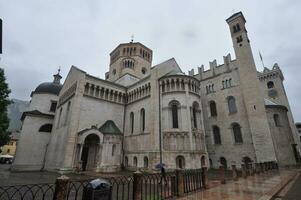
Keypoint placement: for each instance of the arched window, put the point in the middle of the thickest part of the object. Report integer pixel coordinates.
(180, 162)
(142, 119)
(67, 113)
(216, 135)
(223, 162)
(270, 84)
(126, 161)
(135, 161)
(194, 114)
(174, 114)
(276, 120)
(232, 104)
(132, 122)
(113, 149)
(46, 128)
(145, 162)
(237, 133)
(213, 110)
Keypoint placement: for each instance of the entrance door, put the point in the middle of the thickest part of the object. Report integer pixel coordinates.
(90, 152)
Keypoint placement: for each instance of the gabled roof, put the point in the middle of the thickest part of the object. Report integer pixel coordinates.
(109, 127)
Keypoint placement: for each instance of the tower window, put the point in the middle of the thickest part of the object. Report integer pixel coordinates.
(239, 39)
(132, 122)
(276, 120)
(216, 135)
(143, 70)
(270, 84)
(213, 110)
(237, 133)
(232, 105)
(236, 28)
(114, 71)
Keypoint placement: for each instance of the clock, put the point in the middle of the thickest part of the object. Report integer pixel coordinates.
(272, 93)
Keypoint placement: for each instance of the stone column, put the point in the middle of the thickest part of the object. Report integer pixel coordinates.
(180, 182)
(243, 170)
(222, 174)
(234, 173)
(137, 187)
(61, 188)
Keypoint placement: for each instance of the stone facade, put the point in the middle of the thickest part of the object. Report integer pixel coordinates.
(141, 115)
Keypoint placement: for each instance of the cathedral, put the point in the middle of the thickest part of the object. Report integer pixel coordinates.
(141, 115)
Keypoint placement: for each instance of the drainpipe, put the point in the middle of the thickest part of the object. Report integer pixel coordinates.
(122, 141)
(160, 131)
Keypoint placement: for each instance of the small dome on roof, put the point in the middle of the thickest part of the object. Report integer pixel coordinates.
(50, 87)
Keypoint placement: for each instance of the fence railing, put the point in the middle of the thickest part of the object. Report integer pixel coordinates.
(137, 187)
(27, 192)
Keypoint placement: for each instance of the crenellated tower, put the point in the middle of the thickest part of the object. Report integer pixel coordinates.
(250, 87)
(131, 58)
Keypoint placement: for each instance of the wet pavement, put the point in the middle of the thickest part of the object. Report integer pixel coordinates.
(262, 186)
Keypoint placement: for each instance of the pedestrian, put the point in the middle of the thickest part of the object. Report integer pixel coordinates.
(163, 175)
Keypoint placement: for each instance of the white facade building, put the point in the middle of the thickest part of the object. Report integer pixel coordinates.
(141, 114)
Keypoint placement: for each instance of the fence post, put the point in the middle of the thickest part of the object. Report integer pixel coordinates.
(261, 167)
(251, 169)
(222, 174)
(204, 177)
(234, 173)
(137, 185)
(180, 182)
(243, 171)
(61, 188)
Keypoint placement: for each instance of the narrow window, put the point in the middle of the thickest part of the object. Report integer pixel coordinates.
(113, 149)
(174, 111)
(237, 133)
(132, 122)
(135, 161)
(213, 110)
(232, 105)
(180, 162)
(194, 115)
(216, 135)
(142, 119)
(145, 161)
(53, 106)
(270, 84)
(223, 84)
(276, 120)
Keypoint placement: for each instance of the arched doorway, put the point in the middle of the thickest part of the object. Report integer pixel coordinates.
(223, 162)
(90, 152)
(180, 162)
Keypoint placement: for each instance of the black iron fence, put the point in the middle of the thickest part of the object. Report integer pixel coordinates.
(27, 192)
(140, 186)
(193, 180)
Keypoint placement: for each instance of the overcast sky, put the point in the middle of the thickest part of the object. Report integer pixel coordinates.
(40, 35)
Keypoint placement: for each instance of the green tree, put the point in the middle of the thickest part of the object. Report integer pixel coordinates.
(4, 102)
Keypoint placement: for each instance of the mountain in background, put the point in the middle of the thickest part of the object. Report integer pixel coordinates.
(14, 112)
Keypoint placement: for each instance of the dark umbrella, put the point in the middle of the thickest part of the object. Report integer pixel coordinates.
(160, 165)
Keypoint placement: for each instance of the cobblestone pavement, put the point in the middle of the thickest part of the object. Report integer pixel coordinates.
(262, 186)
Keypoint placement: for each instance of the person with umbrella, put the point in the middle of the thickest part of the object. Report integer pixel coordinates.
(161, 166)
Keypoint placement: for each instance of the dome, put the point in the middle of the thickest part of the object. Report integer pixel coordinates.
(48, 87)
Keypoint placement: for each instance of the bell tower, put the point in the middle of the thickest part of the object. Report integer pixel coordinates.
(250, 87)
(131, 58)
